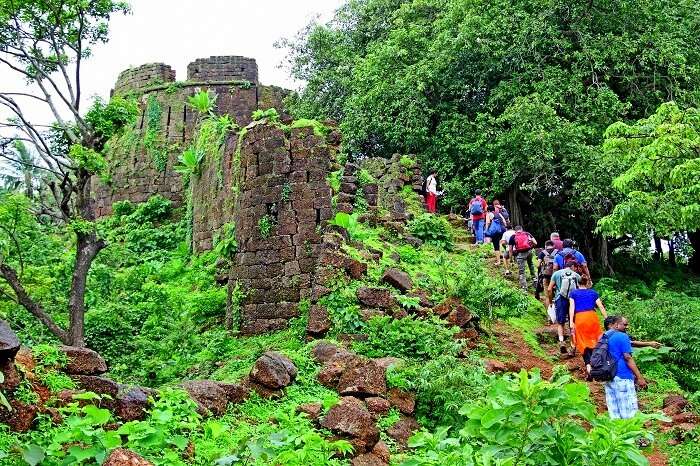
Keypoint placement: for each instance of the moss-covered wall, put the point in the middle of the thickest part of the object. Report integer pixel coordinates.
(141, 161)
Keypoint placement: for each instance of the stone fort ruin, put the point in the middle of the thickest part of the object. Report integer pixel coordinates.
(269, 181)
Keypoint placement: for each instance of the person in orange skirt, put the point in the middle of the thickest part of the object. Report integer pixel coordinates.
(585, 325)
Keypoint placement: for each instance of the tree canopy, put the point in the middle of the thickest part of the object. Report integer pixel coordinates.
(513, 97)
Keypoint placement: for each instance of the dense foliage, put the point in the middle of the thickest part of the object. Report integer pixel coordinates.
(513, 97)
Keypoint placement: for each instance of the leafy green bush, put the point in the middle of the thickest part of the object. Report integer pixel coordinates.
(527, 421)
(409, 337)
(442, 386)
(432, 229)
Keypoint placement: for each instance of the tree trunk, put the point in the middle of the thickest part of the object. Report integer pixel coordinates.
(658, 251)
(604, 257)
(9, 274)
(28, 189)
(671, 252)
(87, 247)
(694, 262)
(516, 215)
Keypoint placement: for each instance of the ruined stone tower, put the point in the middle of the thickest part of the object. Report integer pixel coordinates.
(143, 166)
(269, 180)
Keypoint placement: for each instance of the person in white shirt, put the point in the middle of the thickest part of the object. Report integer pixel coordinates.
(431, 192)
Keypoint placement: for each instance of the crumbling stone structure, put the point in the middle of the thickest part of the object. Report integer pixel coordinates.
(274, 191)
(141, 163)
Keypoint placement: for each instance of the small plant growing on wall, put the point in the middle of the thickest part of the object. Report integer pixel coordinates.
(265, 226)
(286, 192)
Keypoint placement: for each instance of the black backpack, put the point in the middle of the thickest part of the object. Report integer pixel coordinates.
(603, 365)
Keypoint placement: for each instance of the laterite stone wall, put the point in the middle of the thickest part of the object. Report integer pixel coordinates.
(134, 172)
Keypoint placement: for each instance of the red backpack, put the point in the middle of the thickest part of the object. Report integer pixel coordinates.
(522, 241)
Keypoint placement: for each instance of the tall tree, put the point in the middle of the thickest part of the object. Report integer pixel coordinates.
(44, 43)
(661, 187)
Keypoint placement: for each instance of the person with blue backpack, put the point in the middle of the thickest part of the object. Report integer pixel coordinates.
(477, 210)
(612, 363)
(495, 227)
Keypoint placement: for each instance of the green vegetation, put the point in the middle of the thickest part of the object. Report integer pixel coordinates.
(530, 421)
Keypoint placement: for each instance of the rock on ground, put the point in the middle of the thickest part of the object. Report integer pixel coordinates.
(375, 297)
(403, 430)
(319, 321)
(350, 418)
(398, 279)
(273, 370)
(123, 457)
(9, 343)
(362, 378)
(403, 401)
(83, 361)
(213, 397)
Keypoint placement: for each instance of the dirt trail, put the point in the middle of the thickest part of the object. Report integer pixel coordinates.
(513, 345)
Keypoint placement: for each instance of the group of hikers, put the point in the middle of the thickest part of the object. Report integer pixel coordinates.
(562, 274)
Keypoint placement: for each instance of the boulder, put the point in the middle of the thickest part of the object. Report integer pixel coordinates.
(377, 406)
(350, 418)
(235, 393)
(422, 296)
(388, 361)
(313, 410)
(674, 404)
(131, 403)
(318, 292)
(413, 241)
(319, 321)
(398, 279)
(382, 451)
(211, 398)
(459, 316)
(362, 378)
(444, 308)
(324, 351)
(330, 373)
(9, 343)
(403, 401)
(273, 370)
(124, 457)
(367, 314)
(403, 430)
(21, 418)
(355, 268)
(83, 361)
(375, 297)
(96, 384)
(468, 334)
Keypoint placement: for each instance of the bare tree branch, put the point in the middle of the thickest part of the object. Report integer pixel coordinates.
(9, 274)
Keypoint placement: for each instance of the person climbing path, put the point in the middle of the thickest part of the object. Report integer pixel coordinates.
(583, 320)
(477, 210)
(565, 281)
(520, 246)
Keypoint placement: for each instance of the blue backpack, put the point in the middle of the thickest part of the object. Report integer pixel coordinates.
(475, 207)
(496, 227)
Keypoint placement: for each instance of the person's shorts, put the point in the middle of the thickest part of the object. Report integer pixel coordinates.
(496, 240)
(562, 310)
